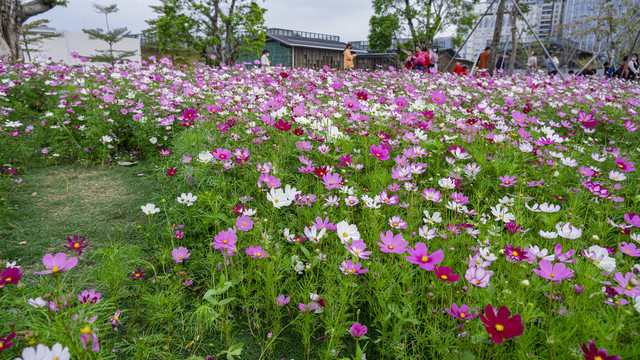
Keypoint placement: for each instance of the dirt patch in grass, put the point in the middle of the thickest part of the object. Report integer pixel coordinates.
(56, 202)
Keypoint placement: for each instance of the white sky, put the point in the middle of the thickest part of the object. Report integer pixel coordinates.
(348, 19)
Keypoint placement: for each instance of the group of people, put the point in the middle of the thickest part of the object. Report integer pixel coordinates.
(422, 60)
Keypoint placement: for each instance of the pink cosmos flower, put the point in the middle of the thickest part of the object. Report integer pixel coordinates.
(629, 249)
(555, 273)
(463, 312)
(422, 258)
(309, 307)
(332, 181)
(392, 243)
(244, 223)
(397, 223)
(358, 330)
(357, 249)
(445, 274)
(115, 320)
(282, 300)
(478, 276)
(380, 152)
(180, 254)
(593, 353)
(632, 219)
(256, 252)
(225, 240)
(626, 287)
(57, 263)
(508, 180)
(89, 336)
(10, 275)
(432, 195)
(222, 154)
(349, 268)
(564, 257)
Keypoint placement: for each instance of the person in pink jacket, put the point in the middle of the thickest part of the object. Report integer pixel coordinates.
(348, 57)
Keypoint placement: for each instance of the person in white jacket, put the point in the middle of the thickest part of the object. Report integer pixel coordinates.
(632, 65)
(264, 60)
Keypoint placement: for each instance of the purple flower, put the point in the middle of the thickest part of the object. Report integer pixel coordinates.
(463, 312)
(632, 219)
(432, 195)
(89, 336)
(282, 300)
(629, 249)
(180, 254)
(596, 189)
(593, 353)
(392, 243)
(380, 152)
(57, 263)
(244, 223)
(555, 273)
(478, 276)
(90, 297)
(508, 180)
(332, 181)
(256, 252)
(422, 258)
(624, 165)
(358, 330)
(445, 274)
(349, 268)
(309, 307)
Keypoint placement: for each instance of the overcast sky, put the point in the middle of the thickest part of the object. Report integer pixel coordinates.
(348, 19)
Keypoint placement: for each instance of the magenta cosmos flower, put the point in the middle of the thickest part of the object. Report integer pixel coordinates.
(380, 152)
(632, 219)
(555, 273)
(508, 180)
(593, 353)
(75, 244)
(180, 254)
(500, 324)
(420, 256)
(394, 244)
(57, 263)
(282, 300)
(244, 223)
(358, 330)
(256, 252)
(629, 249)
(332, 181)
(624, 165)
(11, 275)
(445, 274)
(463, 312)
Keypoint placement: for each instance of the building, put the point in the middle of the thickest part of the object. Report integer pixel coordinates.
(60, 48)
(293, 48)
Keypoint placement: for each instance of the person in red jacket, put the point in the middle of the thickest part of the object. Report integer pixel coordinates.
(422, 60)
(460, 70)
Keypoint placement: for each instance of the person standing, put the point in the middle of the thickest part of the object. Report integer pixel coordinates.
(264, 60)
(348, 57)
(483, 60)
(532, 63)
(433, 57)
(422, 60)
(552, 64)
(632, 65)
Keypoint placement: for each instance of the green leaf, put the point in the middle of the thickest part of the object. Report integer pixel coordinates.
(306, 252)
(226, 301)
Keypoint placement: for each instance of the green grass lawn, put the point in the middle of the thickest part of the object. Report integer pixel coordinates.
(56, 202)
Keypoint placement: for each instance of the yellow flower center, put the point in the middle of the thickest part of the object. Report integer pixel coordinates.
(244, 224)
(76, 245)
(276, 201)
(225, 241)
(514, 253)
(179, 256)
(443, 277)
(9, 279)
(395, 224)
(597, 358)
(137, 275)
(344, 234)
(55, 269)
(552, 275)
(424, 259)
(116, 318)
(356, 253)
(390, 247)
(499, 327)
(462, 315)
(259, 255)
(596, 261)
(85, 330)
(628, 287)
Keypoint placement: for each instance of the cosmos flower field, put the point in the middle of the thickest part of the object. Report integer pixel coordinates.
(316, 214)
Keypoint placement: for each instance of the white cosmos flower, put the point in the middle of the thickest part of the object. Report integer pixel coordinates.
(502, 213)
(508, 201)
(107, 139)
(435, 218)
(636, 303)
(313, 234)
(150, 209)
(534, 208)
(37, 302)
(347, 232)
(598, 157)
(548, 234)
(427, 233)
(541, 253)
(248, 212)
(13, 124)
(487, 254)
(188, 199)
(617, 175)
(600, 257)
(42, 352)
(447, 183)
(567, 161)
(549, 208)
(205, 157)
(568, 231)
(278, 198)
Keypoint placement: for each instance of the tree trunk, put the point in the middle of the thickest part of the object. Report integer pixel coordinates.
(412, 29)
(495, 41)
(12, 16)
(513, 16)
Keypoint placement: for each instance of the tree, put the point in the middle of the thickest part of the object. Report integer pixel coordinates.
(220, 29)
(171, 25)
(30, 39)
(13, 13)
(495, 41)
(423, 19)
(111, 37)
(513, 16)
(382, 30)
